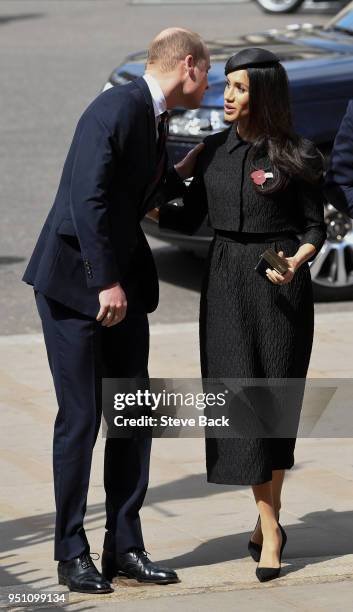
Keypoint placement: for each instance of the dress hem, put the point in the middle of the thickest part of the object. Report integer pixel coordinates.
(213, 480)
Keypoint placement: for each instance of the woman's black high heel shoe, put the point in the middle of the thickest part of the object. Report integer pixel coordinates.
(253, 548)
(269, 573)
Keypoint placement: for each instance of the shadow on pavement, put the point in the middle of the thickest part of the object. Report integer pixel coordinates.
(334, 539)
(321, 534)
(5, 19)
(7, 260)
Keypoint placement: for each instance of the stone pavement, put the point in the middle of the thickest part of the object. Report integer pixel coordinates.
(198, 528)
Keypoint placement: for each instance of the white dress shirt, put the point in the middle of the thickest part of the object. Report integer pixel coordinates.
(159, 101)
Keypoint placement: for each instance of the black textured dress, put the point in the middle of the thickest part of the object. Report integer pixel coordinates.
(249, 327)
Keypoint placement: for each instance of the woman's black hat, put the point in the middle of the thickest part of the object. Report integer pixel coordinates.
(252, 57)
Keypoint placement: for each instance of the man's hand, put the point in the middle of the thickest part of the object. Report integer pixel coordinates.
(113, 305)
(283, 279)
(185, 168)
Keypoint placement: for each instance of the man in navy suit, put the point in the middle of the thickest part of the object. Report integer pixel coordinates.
(95, 280)
(339, 177)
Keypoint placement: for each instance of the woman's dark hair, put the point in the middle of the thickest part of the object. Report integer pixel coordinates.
(270, 117)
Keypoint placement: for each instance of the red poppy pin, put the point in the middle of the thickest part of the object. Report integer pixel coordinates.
(260, 177)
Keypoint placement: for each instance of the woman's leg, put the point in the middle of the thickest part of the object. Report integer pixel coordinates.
(276, 488)
(277, 483)
(272, 538)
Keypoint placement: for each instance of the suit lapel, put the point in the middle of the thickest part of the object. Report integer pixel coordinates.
(151, 152)
(148, 103)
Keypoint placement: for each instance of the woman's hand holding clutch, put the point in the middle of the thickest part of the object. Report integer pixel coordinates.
(306, 251)
(283, 279)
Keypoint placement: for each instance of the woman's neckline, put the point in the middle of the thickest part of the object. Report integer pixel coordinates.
(241, 138)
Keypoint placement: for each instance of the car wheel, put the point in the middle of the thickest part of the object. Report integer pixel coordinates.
(279, 6)
(332, 269)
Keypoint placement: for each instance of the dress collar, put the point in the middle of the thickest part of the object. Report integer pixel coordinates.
(158, 99)
(234, 140)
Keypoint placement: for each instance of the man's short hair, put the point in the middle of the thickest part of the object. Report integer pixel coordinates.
(170, 48)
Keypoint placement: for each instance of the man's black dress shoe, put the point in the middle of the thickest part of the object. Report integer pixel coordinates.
(136, 564)
(81, 575)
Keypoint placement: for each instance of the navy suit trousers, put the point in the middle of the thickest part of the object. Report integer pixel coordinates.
(80, 352)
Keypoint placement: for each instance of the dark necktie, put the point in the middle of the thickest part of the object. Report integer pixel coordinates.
(163, 130)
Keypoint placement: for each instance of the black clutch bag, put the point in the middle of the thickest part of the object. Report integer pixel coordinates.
(270, 259)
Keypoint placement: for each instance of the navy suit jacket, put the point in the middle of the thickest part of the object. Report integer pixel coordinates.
(92, 236)
(339, 177)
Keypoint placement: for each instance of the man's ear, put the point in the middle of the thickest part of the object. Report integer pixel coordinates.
(190, 65)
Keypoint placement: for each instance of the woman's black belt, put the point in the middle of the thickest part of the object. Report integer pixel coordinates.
(254, 236)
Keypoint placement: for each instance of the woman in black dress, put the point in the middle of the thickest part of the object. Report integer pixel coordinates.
(260, 184)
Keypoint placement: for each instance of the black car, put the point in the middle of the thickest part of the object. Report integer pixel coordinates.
(319, 62)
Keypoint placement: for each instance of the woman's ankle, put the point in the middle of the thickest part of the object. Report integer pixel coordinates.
(277, 510)
(269, 524)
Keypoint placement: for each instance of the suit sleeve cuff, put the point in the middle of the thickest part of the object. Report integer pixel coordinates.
(100, 274)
